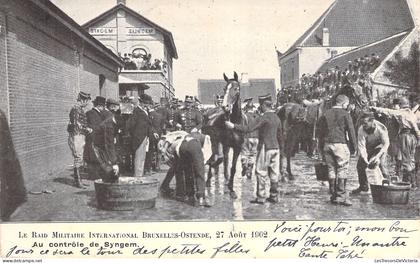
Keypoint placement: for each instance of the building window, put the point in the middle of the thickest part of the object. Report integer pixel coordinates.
(293, 72)
(101, 85)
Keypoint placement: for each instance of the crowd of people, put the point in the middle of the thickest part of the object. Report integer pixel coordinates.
(112, 137)
(325, 84)
(142, 62)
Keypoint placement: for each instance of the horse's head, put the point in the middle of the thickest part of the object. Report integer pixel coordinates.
(231, 91)
(355, 93)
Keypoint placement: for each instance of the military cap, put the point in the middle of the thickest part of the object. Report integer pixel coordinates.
(99, 100)
(111, 101)
(189, 98)
(84, 96)
(197, 100)
(219, 97)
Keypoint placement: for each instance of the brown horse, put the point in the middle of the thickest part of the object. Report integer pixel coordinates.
(230, 139)
(300, 122)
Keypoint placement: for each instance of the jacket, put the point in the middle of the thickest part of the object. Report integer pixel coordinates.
(269, 130)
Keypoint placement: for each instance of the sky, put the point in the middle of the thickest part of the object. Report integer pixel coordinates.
(217, 36)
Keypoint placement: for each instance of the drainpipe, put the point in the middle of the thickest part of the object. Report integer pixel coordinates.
(3, 31)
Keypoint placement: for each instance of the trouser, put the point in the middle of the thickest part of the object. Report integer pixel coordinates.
(192, 161)
(362, 165)
(140, 157)
(337, 157)
(248, 153)
(407, 151)
(77, 144)
(267, 170)
(175, 171)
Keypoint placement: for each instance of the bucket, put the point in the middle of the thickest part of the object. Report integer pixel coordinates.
(128, 193)
(321, 171)
(390, 193)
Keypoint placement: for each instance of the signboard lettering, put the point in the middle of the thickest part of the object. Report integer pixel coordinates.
(141, 31)
(103, 31)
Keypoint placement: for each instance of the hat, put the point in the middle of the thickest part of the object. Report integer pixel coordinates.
(83, 96)
(144, 98)
(404, 102)
(264, 98)
(247, 99)
(174, 100)
(341, 99)
(111, 101)
(189, 98)
(99, 100)
(197, 100)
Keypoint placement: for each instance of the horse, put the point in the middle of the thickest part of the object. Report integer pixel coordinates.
(300, 122)
(230, 139)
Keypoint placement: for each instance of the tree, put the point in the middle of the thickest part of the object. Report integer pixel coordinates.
(405, 71)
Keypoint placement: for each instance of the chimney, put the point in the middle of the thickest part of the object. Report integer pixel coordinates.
(244, 78)
(120, 2)
(325, 37)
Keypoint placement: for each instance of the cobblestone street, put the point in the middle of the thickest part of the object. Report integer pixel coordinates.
(302, 199)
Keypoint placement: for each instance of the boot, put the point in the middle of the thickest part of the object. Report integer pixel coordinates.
(331, 186)
(77, 179)
(344, 199)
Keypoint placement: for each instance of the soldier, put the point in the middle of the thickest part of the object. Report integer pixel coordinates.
(94, 117)
(104, 146)
(188, 118)
(268, 162)
(216, 144)
(78, 129)
(334, 127)
(408, 137)
(172, 111)
(158, 124)
(164, 111)
(249, 148)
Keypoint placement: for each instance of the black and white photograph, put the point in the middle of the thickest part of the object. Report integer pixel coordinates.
(236, 110)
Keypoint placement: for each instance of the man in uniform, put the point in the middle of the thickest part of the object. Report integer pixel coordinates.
(78, 129)
(104, 147)
(334, 127)
(172, 112)
(268, 161)
(408, 138)
(249, 148)
(163, 110)
(216, 144)
(189, 119)
(94, 117)
(158, 123)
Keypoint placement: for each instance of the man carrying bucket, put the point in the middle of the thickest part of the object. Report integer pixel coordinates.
(373, 143)
(335, 126)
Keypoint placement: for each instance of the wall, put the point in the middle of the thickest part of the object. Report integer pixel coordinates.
(47, 67)
(289, 70)
(3, 62)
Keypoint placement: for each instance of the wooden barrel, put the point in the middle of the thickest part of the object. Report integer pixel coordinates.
(390, 193)
(128, 193)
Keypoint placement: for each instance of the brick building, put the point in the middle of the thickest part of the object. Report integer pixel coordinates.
(45, 60)
(250, 88)
(349, 30)
(129, 34)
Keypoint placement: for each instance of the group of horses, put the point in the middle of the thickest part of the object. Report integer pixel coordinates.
(298, 121)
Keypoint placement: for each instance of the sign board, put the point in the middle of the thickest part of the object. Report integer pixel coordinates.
(103, 31)
(140, 31)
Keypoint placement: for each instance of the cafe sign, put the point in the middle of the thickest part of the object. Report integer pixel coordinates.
(103, 31)
(141, 31)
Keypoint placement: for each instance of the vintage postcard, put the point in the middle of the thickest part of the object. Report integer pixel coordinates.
(160, 129)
